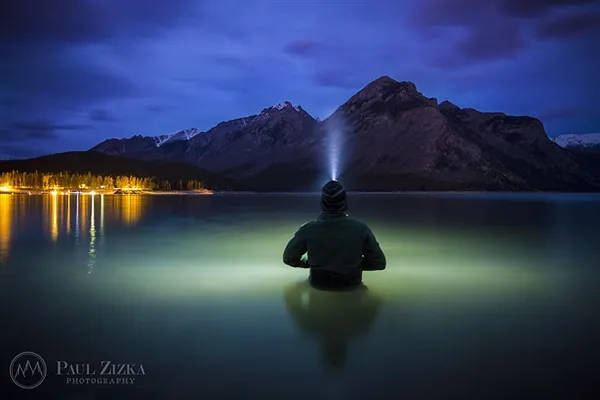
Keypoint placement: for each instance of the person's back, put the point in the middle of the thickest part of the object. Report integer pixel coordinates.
(338, 247)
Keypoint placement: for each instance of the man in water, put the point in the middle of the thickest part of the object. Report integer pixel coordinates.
(335, 247)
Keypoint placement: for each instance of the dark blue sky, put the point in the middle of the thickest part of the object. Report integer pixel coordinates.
(75, 72)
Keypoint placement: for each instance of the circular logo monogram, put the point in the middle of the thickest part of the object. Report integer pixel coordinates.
(28, 370)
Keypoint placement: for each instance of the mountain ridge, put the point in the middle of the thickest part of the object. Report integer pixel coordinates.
(577, 140)
(389, 130)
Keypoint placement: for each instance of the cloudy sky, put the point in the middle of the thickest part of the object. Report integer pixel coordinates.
(75, 72)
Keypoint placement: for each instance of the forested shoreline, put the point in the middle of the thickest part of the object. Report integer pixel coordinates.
(72, 181)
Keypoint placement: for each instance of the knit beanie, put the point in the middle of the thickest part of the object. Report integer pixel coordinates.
(333, 197)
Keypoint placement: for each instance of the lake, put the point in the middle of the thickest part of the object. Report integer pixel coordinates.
(484, 296)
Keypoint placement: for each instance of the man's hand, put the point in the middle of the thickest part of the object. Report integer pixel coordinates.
(295, 253)
(304, 261)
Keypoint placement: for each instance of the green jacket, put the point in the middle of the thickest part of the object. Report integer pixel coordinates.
(335, 243)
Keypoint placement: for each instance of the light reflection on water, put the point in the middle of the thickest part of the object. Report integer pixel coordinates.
(154, 278)
(6, 220)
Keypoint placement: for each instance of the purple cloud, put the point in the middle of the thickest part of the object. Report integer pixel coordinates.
(535, 8)
(493, 42)
(100, 115)
(336, 79)
(570, 25)
(83, 21)
(302, 47)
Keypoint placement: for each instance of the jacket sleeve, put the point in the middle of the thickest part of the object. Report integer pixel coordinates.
(295, 250)
(373, 257)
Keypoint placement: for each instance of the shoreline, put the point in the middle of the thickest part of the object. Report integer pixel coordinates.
(109, 192)
(242, 193)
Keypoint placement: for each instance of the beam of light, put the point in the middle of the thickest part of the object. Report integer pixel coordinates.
(92, 249)
(334, 152)
(5, 226)
(335, 129)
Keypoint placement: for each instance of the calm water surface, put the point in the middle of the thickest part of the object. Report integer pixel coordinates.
(485, 296)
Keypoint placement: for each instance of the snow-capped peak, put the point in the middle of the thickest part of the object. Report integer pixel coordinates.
(578, 140)
(281, 106)
(184, 134)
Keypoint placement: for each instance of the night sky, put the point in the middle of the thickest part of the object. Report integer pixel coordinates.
(76, 72)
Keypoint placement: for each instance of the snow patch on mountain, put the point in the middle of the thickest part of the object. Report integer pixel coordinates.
(577, 140)
(281, 106)
(184, 134)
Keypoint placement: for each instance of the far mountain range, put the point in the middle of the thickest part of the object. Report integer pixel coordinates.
(390, 137)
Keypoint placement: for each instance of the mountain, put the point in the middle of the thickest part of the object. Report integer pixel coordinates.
(388, 136)
(237, 148)
(585, 148)
(82, 162)
(579, 142)
(400, 137)
(140, 144)
(185, 134)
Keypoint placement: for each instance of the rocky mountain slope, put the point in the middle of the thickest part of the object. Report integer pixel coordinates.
(585, 148)
(390, 137)
(238, 148)
(579, 142)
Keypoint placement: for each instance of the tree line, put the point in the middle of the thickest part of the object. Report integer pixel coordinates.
(66, 180)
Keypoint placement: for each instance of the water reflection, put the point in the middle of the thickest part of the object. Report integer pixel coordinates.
(68, 215)
(84, 214)
(129, 208)
(77, 217)
(6, 218)
(101, 216)
(92, 249)
(334, 319)
(54, 218)
(64, 217)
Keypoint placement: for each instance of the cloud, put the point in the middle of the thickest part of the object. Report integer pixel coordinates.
(101, 116)
(471, 31)
(85, 21)
(156, 108)
(16, 150)
(37, 130)
(50, 69)
(494, 42)
(535, 8)
(570, 25)
(475, 31)
(337, 79)
(302, 47)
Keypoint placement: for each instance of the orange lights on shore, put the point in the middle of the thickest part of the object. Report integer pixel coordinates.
(58, 190)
